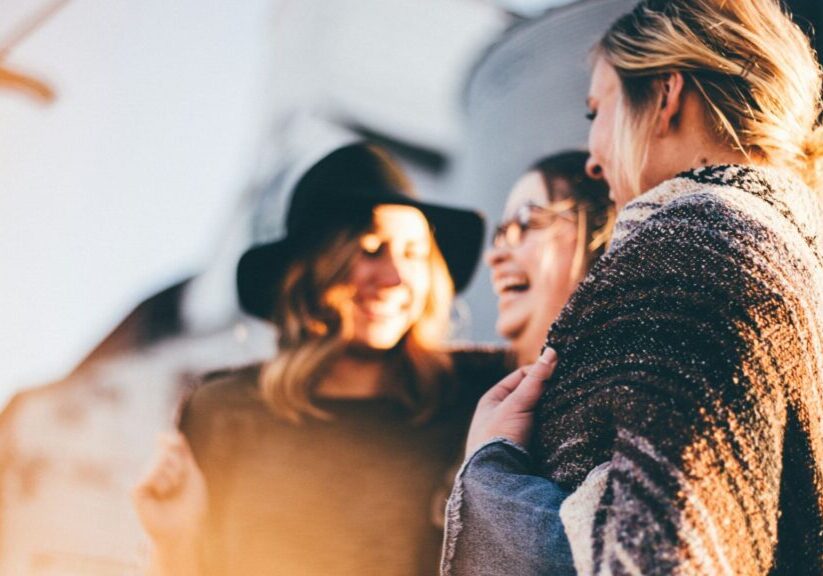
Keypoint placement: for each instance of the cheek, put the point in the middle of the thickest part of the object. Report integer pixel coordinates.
(418, 279)
(598, 139)
(528, 256)
(359, 274)
(535, 254)
(553, 271)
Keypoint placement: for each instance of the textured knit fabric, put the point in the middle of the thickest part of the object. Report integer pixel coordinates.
(690, 361)
(360, 495)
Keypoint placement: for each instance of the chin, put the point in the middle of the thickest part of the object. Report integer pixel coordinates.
(380, 340)
(508, 330)
(369, 348)
(380, 335)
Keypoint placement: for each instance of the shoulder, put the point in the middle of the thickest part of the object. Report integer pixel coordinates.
(687, 226)
(477, 368)
(709, 246)
(751, 206)
(221, 414)
(220, 391)
(481, 359)
(679, 207)
(695, 243)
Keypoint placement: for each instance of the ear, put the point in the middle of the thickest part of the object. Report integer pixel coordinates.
(671, 99)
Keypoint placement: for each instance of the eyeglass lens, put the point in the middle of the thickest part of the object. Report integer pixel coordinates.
(511, 232)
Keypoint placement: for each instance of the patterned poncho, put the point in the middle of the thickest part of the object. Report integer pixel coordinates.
(690, 362)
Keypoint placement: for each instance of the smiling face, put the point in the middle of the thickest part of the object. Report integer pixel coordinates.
(390, 278)
(533, 280)
(603, 103)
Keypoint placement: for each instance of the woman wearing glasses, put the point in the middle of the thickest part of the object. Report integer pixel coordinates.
(682, 413)
(330, 458)
(556, 223)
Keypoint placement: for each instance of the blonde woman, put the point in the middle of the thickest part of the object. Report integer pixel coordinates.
(328, 458)
(556, 224)
(682, 407)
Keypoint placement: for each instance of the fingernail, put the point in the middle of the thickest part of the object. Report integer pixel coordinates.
(549, 356)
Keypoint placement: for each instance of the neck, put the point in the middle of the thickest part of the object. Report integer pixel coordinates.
(705, 155)
(690, 142)
(527, 345)
(354, 376)
(524, 354)
(717, 157)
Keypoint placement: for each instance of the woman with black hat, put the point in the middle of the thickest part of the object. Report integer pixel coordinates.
(329, 458)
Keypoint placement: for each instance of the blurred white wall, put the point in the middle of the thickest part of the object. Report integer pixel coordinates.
(530, 8)
(393, 66)
(165, 110)
(120, 186)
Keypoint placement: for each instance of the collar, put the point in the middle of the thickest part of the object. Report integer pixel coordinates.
(780, 189)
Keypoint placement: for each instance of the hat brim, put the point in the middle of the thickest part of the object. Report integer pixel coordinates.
(458, 233)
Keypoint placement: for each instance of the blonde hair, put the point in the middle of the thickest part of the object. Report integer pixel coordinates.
(753, 67)
(312, 316)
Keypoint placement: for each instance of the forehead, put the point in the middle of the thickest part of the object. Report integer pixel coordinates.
(605, 81)
(530, 189)
(393, 220)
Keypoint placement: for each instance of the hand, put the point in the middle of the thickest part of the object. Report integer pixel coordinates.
(171, 499)
(507, 409)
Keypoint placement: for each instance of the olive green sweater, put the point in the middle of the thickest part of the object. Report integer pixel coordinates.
(357, 496)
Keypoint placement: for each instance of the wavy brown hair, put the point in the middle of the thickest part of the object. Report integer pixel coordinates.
(312, 317)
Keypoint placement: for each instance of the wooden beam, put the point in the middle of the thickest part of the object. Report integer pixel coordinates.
(26, 83)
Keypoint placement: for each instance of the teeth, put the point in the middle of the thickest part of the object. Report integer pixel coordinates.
(382, 309)
(511, 283)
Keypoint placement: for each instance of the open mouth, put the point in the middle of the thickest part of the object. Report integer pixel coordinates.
(512, 285)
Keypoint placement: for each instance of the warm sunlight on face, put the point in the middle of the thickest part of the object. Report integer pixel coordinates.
(603, 101)
(532, 277)
(391, 276)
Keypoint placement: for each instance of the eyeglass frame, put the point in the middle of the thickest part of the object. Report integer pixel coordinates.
(510, 233)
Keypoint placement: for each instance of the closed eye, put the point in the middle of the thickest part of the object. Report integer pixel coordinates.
(417, 251)
(371, 245)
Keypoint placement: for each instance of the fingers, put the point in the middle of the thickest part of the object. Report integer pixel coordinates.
(506, 386)
(507, 409)
(542, 370)
(526, 394)
(167, 473)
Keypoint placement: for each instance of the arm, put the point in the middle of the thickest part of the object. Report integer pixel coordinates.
(669, 372)
(501, 519)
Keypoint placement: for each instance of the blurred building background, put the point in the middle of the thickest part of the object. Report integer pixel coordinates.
(154, 141)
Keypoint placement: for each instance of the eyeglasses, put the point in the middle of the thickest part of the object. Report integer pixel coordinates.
(510, 233)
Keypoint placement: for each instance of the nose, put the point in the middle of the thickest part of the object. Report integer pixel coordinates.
(387, 273)
(496, 255)
(593, 169)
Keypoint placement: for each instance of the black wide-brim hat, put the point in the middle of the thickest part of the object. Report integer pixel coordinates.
(340, 190)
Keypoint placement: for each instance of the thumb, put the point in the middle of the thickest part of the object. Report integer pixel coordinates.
(525, 396)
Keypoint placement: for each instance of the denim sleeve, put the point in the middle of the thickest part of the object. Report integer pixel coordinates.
(501, 520)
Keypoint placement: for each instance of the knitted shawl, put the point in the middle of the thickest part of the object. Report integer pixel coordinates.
(690, 362)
